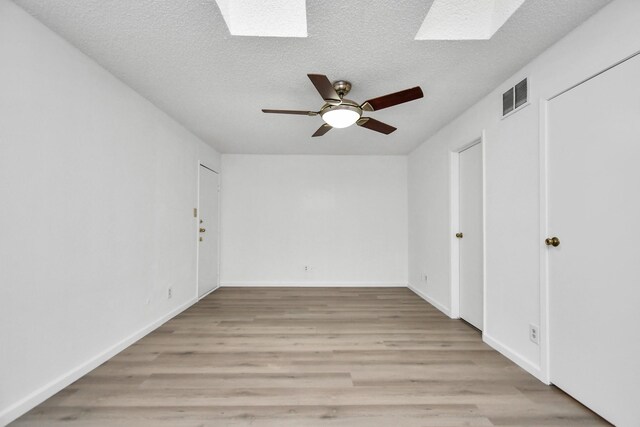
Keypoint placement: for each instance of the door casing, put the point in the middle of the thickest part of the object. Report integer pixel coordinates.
(454, 222)
(200, 166)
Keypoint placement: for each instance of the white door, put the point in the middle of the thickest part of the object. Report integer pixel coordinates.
(470, 240)
(208, 232)
(594, 272)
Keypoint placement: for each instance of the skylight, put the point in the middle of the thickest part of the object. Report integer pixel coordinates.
(466, 19)
(259, 18)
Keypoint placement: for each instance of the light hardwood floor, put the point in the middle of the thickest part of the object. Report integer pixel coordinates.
(310, 357)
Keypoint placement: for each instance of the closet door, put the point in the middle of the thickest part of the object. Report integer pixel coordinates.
(594, 260)
(470, 237)
(208, 249)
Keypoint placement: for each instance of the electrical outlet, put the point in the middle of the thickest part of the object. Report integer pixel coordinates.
(534, 334)
(307, 268)
(169, 293)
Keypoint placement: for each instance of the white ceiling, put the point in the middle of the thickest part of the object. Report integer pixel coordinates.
(179, 54)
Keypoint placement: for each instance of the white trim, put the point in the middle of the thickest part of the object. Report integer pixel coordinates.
(209, 292)
(454, 224)
(46, 391)
(431, 301)
(219, 230)
(197, 231)
(201, 164)
(314, 284)
(544, 253)
(483, 141)
(509, 353)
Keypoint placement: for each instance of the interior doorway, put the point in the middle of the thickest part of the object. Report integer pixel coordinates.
(468, 234)
(208, 231)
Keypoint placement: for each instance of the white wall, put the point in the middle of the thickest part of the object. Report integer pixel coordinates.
(344, 216)
(513, 243)
(97, 188)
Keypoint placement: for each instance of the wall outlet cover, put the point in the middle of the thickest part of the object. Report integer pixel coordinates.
(534, 334)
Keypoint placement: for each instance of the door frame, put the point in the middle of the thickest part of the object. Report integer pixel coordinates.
(201, 164)
(544, 331)
(454, 225)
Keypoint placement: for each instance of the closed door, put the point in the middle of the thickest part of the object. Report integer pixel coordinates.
(594, 271)
(208, 231)
(470, 236)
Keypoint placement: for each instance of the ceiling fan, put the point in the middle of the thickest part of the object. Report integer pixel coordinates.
(339, 112)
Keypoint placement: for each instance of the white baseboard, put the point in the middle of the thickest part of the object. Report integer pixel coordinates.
(314, 284)
(525, 364)
(510, 354)
(43, 393)
(209, 293)
(430, 300)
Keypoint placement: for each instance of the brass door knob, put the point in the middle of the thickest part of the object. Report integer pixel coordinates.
(459, 235)
(552, 241)
(202, 230)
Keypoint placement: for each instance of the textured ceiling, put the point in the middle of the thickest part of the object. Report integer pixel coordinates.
(179, 54)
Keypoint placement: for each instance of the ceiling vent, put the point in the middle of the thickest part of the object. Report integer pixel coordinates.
(515, 98)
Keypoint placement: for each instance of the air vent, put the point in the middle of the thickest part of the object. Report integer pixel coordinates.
(521, 93)
(507, 102)
(515, 98)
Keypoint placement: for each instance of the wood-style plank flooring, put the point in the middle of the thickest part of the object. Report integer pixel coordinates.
(310, 357)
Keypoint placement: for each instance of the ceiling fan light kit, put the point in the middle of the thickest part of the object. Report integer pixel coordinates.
(343, 115)
(339, 112)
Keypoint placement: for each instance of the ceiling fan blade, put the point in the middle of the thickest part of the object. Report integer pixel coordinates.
(299, 112)
(392, 99)
(373, 124)
(325, 88)
(322, 130)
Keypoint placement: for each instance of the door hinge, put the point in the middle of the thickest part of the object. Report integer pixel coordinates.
(195, 212)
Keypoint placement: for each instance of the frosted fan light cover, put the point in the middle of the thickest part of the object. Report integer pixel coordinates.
(340, 118)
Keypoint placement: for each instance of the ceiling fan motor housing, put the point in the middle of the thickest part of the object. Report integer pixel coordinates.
(342, 87)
